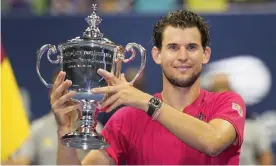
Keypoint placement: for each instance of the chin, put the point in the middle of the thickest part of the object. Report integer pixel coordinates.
(181, 78)
(183, 81)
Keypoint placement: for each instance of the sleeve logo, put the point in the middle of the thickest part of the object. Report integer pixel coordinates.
(237, 108)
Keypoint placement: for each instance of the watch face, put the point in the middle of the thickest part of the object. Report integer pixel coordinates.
(154, 104)
(155, 101)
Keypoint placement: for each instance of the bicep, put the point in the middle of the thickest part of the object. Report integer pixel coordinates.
(225, 132)
(98, 157)
(228, 119)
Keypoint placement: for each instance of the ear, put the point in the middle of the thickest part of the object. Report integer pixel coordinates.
(207, 55)
(155, 52)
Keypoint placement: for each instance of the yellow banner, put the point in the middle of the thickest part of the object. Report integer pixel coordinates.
(14, 120)
(207, 5)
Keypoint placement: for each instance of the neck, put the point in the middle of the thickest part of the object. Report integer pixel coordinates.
(179, 97)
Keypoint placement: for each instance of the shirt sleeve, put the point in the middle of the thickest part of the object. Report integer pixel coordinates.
(114, 133)
(231, 107)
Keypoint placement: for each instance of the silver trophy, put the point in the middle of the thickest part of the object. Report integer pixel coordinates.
(80, 58)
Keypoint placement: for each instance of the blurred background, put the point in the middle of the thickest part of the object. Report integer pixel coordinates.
(239, 28)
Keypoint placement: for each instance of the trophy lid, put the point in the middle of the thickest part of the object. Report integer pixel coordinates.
(92, 32)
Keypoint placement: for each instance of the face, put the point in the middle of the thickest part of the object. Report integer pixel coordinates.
(181, 56)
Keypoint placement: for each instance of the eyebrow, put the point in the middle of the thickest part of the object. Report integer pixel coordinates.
(171, 44)
(190, 43)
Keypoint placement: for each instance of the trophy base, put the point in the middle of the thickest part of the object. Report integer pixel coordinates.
(84, 141)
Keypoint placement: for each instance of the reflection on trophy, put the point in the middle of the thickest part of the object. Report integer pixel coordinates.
(80, 58)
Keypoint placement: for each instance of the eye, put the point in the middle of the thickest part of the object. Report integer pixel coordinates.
(192, 47)
(173, 47)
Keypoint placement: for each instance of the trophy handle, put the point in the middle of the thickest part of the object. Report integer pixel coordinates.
(51, 50)
(130, 48)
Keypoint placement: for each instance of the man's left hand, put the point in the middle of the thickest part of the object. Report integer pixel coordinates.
(121, 92)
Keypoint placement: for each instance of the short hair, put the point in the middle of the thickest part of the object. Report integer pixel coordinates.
(183, 19)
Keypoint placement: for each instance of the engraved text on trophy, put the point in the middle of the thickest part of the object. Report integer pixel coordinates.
(81, 64)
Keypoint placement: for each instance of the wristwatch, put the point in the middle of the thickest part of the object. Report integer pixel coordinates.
(154, 104)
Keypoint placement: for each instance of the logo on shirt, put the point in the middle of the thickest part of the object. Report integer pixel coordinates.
(237, 108)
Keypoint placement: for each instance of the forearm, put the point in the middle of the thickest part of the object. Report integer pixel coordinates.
(66, 155)
(196, 133)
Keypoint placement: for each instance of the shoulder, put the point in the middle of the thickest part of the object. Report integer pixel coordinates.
(220, 97)
(229, 95)
(231, 99)
(224, 102)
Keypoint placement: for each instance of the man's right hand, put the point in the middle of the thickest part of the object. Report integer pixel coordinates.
(63, 108)
(61, 103)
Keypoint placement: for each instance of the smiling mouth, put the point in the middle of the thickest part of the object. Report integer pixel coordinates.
(183, 68)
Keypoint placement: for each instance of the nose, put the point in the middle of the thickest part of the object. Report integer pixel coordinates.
(182, 54)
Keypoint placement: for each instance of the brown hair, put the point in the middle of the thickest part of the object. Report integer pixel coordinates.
(183, 19)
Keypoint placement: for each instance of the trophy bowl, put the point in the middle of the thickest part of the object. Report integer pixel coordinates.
(80, 58)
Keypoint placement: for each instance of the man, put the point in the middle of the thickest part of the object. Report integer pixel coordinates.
(181, 125)
(249, 73)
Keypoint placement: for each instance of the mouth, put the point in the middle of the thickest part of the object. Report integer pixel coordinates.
(183, 68)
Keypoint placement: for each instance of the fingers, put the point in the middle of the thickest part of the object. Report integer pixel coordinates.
(59, 113)
(65, 110)
(123, 78)
(58, 92)
(109, 77)
(59, 79)
(107, 89)
(111, 100)
(114, 105)
(75, 115)
(62, 100)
